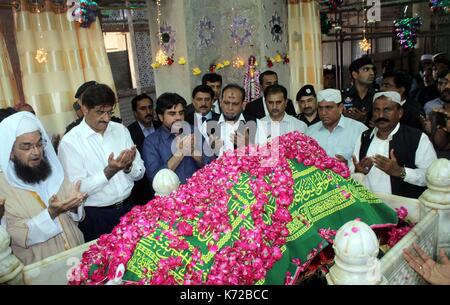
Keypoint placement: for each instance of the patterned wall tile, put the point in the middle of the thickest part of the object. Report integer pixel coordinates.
(144, 56)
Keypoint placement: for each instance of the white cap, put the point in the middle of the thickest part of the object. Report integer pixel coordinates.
(426, 57)
(329, 95)
(27, 125)
(392, 95)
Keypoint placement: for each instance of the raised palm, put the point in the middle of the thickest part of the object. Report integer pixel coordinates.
(431, 271)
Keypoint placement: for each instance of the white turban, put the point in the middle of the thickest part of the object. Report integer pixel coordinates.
(426, 57)
(16, 125)
(329, 95)
(392, 95)
(27, 125)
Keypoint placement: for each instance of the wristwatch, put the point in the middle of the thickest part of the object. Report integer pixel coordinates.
(403, 173)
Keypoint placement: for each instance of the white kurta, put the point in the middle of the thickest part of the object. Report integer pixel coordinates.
(342, 140)
(288, 124)
(227, 129)
(377, 180)
(84, 154)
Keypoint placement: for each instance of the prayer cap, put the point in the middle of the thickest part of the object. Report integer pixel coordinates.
(329, 95)
(359, 63)
(426, 57)
(392, 95)
(306, 90)
(83, 88)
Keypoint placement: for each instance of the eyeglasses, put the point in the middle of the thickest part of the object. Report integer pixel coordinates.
(102, 113)
(28, 146)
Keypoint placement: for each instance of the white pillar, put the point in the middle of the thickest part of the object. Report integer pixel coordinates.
(10, 267)
(356, 250)
(437, 197)
(133, 48)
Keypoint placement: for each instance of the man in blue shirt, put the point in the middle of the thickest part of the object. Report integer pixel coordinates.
(172, 145)
(336, 133)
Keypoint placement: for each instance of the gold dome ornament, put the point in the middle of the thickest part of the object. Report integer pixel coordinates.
(41, 56)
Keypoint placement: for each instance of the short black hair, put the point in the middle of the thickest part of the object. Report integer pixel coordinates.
(6, 112)
(443, 73)
(212, 78)
(138, 98)
(84, 87)
(235, 86)
(204, 89)
(359, 63)
(98, 95)
(274, 89)
(167, 101)
(266, 73)
(401, 79)
(441, 60)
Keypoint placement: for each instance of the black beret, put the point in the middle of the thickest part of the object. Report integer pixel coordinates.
(76, 106)
(83, 88)
(359, 63)
(306, 90)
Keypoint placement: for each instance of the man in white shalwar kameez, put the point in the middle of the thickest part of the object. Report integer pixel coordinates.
(41, 208)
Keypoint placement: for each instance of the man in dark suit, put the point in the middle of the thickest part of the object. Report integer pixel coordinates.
(257, 108)
(142, 106)
(202, 99)
(214, 81)
(234, 129)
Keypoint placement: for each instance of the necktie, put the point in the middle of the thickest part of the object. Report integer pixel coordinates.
(204, 119)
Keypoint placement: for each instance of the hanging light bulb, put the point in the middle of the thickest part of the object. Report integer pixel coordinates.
(41, 56)
(365, 45)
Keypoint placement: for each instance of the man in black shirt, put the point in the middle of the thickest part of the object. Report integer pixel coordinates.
(358, 98)
(307, 102)
(257, 108)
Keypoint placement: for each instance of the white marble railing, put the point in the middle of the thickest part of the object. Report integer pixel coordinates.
(431, 212)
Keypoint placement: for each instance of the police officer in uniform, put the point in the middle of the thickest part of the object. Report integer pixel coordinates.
(358, 98)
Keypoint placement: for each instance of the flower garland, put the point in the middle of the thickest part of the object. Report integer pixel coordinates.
(278, 58)
(251, 80)
(83, 11)
(248, 259)
(406, 29)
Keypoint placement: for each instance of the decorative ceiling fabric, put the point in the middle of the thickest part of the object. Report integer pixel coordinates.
(305, 44)
(56, 56)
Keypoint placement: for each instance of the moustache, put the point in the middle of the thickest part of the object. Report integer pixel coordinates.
(381, 120)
